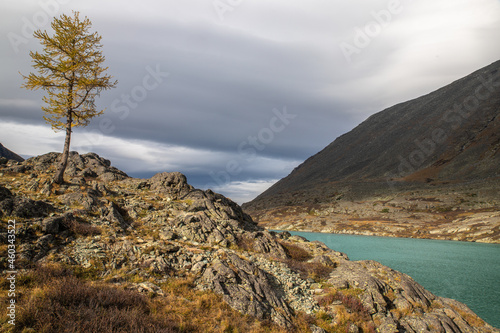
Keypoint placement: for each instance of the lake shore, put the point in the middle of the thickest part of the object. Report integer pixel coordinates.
(417, 235)
(416, 215)
(465, 271)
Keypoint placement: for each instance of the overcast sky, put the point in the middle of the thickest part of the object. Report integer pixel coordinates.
(237, 93)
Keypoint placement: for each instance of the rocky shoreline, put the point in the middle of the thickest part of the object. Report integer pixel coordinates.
(143, 235)
(446, 214)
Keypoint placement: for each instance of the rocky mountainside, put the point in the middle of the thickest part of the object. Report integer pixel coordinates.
(106, 252)
(4, 152)
(440, 144)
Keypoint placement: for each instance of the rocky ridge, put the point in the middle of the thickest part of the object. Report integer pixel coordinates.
(141, 234)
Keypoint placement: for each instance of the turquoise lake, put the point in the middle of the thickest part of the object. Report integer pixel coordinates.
(467, 272)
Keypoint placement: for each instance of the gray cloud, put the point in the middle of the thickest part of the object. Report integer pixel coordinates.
(226, 76)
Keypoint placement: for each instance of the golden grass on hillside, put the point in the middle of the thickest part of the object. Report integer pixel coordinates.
(52, 298)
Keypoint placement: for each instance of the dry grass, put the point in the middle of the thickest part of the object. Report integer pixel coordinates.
(53, 298)
(470, 318)
(197, 311)
(297, 262)
(348, 310)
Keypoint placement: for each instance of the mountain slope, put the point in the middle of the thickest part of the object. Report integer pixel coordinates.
(452, 134)
(4, 152)
(426, 168)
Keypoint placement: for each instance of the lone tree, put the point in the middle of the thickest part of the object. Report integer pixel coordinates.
(69, 69)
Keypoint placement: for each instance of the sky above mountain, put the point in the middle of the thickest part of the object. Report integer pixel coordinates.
(236, 93)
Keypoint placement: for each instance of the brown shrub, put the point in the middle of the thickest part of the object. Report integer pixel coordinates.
(83, 228)
(313, 270)
(41, 274)
(295, 252)
(351, 302)
(328, 299)
(297, 263)
(246, 243)
(351, 311)
(66, 304)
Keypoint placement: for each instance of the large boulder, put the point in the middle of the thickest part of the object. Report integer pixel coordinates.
(115, 217)
(57, 224)
(211, 218)
(88, 165)
(87, 200)
(248, 289)
(5, 193)
(262, 242)
(172, 184)
(25, 208)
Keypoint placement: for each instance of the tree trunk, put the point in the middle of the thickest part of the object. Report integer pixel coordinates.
(59, 177)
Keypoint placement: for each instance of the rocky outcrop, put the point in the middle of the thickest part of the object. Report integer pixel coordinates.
(211, 218)
(18, 206)
(79, 166)
(248, 289)
(173, 184)
(139, 234)
(397, 302)
(57, 224)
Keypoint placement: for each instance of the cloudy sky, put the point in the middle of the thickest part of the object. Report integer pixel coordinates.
(236, 93)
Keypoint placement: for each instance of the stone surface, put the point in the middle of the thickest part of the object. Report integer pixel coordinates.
(173, 184)
(24, 207)
(248, 289)
(5, 193)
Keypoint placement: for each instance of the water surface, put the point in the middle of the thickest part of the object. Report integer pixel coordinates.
(467, 272)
